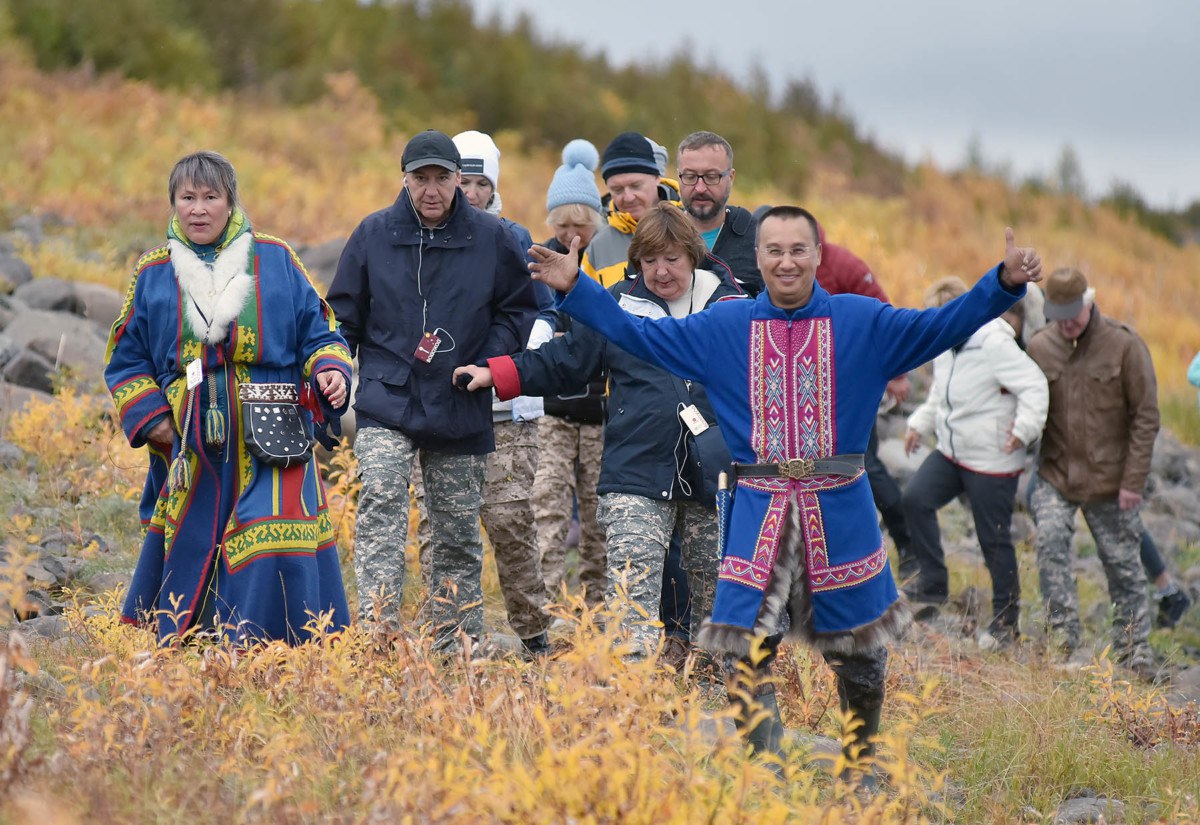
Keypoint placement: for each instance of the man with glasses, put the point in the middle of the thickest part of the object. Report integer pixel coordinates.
(794, 378)
(706, 173)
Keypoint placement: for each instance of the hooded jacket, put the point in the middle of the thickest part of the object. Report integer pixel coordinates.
(982, 390)
(466, 281)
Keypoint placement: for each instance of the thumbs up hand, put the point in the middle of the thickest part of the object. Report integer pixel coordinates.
(1022, 264)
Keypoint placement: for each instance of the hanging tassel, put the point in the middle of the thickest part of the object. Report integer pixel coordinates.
(180, 478)
(214, 427)
(214, 417)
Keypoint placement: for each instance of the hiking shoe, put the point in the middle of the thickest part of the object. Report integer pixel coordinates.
(535, 648)
(908, 569)
(675, 652)
(919, 593)
(1172, 607)
(997, 639)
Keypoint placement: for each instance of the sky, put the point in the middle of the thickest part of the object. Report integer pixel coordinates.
(1116, 80)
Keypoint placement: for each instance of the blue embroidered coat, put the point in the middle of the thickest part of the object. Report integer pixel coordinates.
(799, 384)
(267, 529)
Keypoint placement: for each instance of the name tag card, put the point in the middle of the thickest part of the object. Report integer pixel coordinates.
(195, 374)
(693, 418)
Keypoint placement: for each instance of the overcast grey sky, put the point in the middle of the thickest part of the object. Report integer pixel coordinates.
(1117, 80)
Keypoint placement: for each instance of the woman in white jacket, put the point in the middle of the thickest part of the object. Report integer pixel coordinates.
(988, 402)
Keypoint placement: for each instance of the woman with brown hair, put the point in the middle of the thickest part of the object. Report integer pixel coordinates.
(662, 447)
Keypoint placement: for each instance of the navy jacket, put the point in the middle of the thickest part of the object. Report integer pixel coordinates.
(735, 246)
(465, 281)
(647, 450)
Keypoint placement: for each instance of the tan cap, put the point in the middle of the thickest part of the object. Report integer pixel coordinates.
(1064, 294)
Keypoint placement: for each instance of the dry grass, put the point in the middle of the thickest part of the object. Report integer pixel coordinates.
(107, 726)
(363, 729)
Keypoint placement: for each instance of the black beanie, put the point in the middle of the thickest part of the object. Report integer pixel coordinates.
(628, 152)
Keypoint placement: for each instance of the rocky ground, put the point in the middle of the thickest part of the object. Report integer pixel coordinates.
(53, 331)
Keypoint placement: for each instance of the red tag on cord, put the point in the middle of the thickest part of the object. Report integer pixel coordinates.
(428, 347)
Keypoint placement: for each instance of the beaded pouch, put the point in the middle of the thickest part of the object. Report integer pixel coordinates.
(274, 429)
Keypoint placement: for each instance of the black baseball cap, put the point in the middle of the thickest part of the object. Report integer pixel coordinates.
(431, 148)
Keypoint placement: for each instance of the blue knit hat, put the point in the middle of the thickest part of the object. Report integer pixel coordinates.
(575, 180)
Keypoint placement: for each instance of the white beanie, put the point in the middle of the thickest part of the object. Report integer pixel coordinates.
(480, 156)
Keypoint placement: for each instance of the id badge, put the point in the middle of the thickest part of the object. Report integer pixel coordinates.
(693, 419)
(428, 347)
(195, 374)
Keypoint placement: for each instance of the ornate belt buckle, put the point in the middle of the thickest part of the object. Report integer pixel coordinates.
(797, 468)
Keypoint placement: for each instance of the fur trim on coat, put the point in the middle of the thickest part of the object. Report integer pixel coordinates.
(787, 607)
(218, 292)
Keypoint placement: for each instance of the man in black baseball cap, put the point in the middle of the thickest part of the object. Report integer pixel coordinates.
(426, 285)
(432, 175)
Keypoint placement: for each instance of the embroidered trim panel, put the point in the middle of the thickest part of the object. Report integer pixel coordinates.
(268, 392)
(271, 537)
(822, 575)
(335, 352)
(756, 572)
(158, 255)
(814, 482)
(130, 392)
(791, 389)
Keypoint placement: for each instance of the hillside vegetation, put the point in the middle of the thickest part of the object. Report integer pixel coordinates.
(96, 150)
(96, 103)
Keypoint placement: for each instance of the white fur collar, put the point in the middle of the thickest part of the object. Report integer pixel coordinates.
(220, 290)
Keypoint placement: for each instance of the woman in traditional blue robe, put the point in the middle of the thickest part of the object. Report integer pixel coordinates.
(231, 543)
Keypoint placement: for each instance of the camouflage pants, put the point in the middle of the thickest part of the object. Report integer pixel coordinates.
(639, 530)
(509, 522)
(569, 466)
(455, 482)
(508, 519)
(1117, 534)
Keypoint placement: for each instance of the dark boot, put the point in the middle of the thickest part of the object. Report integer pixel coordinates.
(861, 746)
(766, 737)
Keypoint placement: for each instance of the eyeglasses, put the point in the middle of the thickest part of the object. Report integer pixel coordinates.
(709, 178)
(797, 253)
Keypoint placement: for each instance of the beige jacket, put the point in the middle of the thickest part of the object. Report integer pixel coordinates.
(1103, 409)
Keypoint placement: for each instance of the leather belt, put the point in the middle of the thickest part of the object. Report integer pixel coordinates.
(838, 465)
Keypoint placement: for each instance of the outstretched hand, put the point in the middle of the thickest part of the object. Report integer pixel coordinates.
(554, 269)
(1022, 264)
(481, 377)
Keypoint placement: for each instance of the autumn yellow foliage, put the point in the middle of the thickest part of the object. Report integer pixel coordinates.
(96, 151)
(107, 726)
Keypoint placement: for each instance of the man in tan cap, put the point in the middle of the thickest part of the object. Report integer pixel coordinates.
(1095, 456)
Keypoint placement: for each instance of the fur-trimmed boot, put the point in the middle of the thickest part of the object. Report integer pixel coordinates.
(861, 746)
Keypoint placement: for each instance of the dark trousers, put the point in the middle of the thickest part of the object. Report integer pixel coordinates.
(886, 492)
(1152, 560)
(861, 675)
(937, 482)
(675, 608)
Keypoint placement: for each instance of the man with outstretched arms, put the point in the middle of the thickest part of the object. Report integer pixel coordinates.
(795, 378)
